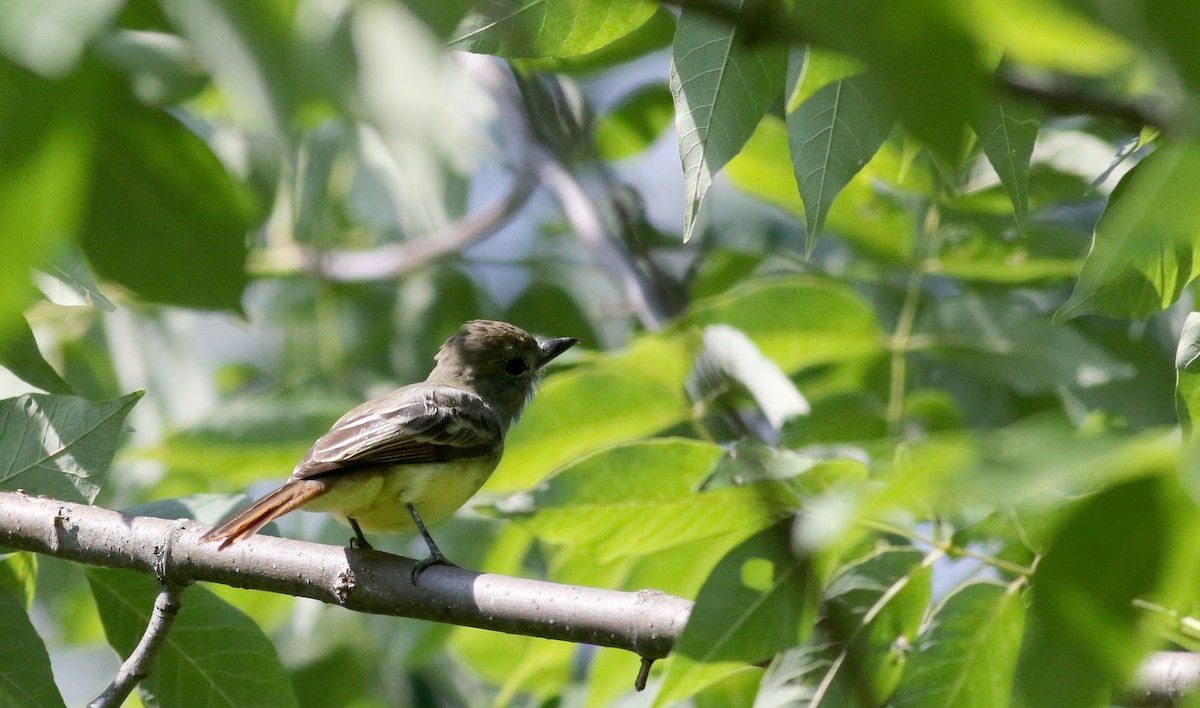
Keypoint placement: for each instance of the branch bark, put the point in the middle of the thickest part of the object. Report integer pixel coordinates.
(137, 666)
(646, 622)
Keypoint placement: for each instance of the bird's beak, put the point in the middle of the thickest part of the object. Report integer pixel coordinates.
(551, 348)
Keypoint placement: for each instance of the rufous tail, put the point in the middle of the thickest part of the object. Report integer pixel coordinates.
(294, 494)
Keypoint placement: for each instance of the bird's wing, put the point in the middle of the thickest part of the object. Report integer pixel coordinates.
(415, 424)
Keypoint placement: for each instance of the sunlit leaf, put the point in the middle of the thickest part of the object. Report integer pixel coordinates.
(59, 446)
(968, 653)
(635, 122)
(1144, 249)
(722, 87)
(18, 576)
(214, 655)
(548, 28)
(640, 498)
(758, 600)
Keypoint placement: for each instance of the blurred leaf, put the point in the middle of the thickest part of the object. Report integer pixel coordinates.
(214, 656)
(1173, 23)
(832, 136)
(1187, 367)
(19, 354)
(1004, 341)
(208, 509)
(45, 150)
(250, 50)
(1143, 251)
(164, 218)
(722, 87)
(60, 446)
(1007, 130)
(246, 441)
(161, 67)
(18, 576)
(639, 498)
(25, 675)
(1051, 34)
(967, 655)
(817, 69)
(759, 600)
(50, 37)
(870, 617)
(634, 123)
(655, 34)
(441, 16)
(548, 28)
(826, 322)
(582, 410)
(341, 677)
(1085, 636)
(550, 310)
(729, 360)
(68, 281)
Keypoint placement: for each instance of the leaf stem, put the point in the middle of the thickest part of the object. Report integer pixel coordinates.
(948, 548)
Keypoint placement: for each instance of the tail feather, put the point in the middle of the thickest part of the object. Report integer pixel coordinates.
(292, 495)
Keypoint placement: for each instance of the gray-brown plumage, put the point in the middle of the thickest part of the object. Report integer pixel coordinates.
(420, 452)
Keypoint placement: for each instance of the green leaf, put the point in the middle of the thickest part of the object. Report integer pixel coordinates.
(548, 28)
(25, 676)
(1085, 635)
(832, 136)
(214, 655)
(618, 402)
(1007, 130)
(870, 617)
(641, 497)
(826, 321)
(968, 654)
(635, 122)
(815, 68)
(45, 150)
(18, 576)
(757, 601)
(19, 354)
(59, 446)
(722, 87)
(657, 33)
(164, 218)
(1143, 251)
(1003, 341)
(1187, 369)
(250, 49)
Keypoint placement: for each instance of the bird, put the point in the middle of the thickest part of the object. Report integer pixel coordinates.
(417, 454)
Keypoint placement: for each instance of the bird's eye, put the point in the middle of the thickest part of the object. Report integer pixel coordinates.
(515, 366)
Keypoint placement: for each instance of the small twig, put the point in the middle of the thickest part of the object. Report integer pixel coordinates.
(1072, 101)
(137, 666)
(948, 548)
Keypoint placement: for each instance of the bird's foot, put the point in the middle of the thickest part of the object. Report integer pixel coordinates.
(435, 558)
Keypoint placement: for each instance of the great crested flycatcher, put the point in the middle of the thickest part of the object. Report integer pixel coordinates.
(420, 452)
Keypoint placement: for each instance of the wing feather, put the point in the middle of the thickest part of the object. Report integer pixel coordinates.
(414, 424)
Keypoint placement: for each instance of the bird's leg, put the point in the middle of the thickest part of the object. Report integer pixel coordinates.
(359, 540)
(436, 557)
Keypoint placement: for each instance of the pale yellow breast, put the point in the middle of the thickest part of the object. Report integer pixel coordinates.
(376, 499)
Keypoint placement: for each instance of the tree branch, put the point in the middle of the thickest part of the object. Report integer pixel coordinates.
(395, 260)
(646, 622)
(141, 659)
